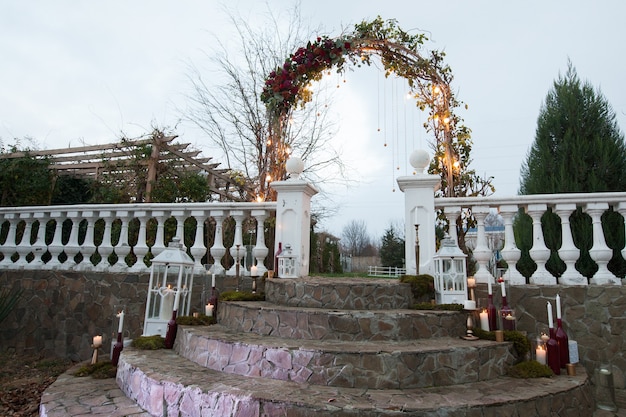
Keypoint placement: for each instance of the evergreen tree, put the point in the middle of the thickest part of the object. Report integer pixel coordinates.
(392, 248)
(578, 145)
(578, 148)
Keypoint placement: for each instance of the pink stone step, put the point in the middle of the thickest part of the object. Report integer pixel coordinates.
(163, 383)
(363, 364)
(344, 293)
(266, 318)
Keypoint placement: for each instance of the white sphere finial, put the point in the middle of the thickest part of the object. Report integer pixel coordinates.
(419, 160)
(294, 166)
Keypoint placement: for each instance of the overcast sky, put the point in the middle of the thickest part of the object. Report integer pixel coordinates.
(85, 72)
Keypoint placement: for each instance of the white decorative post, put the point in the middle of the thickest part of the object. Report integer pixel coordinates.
(106, 247)
(260, 251)
(539, 252)
(141, 247)
(159, 240)
(56, 246)
(23, 248)
(39, 247)
(122, 249)
(419, 209)
(218, 250)
(88, 247)
(293, 215)
(568, 252)
(198, 249)
(600, 252)
(71, 247)
(482, 253)
(510, 252)
(237, 251)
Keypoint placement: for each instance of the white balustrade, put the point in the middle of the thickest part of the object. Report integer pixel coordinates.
(9, 246)
(482, 253)
(237, 251)
(260, 251)
(198, 249)
(88, 247)
(594, 204)
(23, 248)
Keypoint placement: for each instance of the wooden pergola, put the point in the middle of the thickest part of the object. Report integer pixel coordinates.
(138, 163)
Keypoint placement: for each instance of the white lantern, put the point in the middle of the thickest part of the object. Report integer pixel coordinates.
(287, 263)
(169, 291)
(450, 273)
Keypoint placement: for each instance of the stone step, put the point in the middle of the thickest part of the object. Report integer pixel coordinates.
(363, 364)
(342, 293)
(163, 383)
(266, 318)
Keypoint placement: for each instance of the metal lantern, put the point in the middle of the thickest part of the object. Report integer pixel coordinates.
(169, 291)
(287, 263)
(450, 273)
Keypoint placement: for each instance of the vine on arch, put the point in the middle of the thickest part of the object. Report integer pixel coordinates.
(401, 54)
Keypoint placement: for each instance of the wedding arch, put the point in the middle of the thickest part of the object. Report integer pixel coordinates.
(401, 54)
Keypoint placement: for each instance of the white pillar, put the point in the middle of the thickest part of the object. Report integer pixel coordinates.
(482, 253)
(510, 252)
(600, 252)
(419, 209)
(260, 251)
(218, 250)
(539, 252)
(568, 252)
(293, 215)
(238, 250)
(106, 247)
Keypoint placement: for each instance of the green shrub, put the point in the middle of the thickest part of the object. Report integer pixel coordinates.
(201, 320)
(440, 307)
(149, 342)
(99, 370)
(520, 341)
(422, 286)
(530, 369)
(241, 296)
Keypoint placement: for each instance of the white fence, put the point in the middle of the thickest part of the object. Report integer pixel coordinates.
(386, 271)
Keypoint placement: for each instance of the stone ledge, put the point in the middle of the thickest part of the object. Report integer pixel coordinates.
(349, 293)
(269, 319)
(364, 364)
(163, 383)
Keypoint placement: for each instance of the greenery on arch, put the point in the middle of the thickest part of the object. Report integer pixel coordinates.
(402, 54)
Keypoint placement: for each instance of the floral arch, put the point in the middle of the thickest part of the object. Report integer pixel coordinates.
(288, 86)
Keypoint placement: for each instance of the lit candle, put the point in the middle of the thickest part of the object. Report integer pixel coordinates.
(484, 320)
(213, 280)
(471, 282)
(97, 341)
(558, 306)
(167, 303)
(503, 288)
(120, 325)
(489, 285)
(550, 321)
(540, 354)
(209, 310)
(254, 271)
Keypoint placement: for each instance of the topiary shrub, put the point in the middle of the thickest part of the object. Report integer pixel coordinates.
(422, 287)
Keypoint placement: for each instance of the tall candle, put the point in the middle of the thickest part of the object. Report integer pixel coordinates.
(120, 325)
(213, 280)
(550, 321)
(503, 288)
(558, 306)
(540, 354)
(209, 310)
(167, 303)
(484, 320)
(489, 286)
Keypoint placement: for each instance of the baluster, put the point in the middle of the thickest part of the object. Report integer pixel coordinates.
(159, 240)
(621, 209)
(141, 247)
(122, 249)
(482, 253)
(56, 246)
(9, 246)
(106, 247)
(179, 215)
(539, 252)
(510, 252)
(452, 214)
(600, 252)
(218, 250)
(23, 248)
(71, 247)
(198, 249)
(260, 251)
(39, 247)
(568, 252)
(88, 248)
(237, 250)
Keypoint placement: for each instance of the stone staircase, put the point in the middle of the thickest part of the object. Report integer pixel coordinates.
(339, 347)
